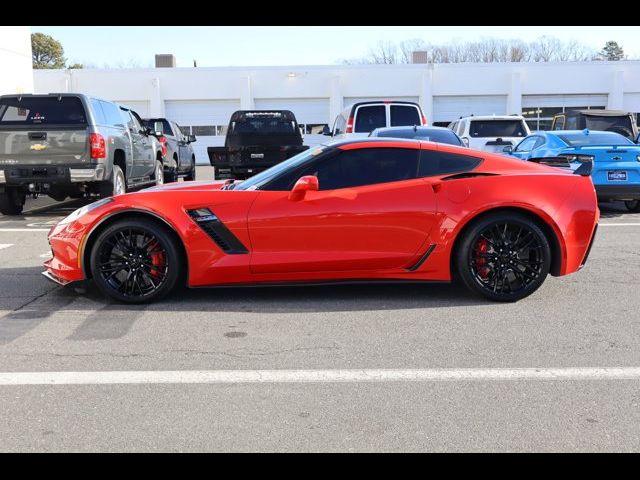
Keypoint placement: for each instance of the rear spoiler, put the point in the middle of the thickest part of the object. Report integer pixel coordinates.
(585, 169)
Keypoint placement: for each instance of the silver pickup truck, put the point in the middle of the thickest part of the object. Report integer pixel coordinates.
(71, 145)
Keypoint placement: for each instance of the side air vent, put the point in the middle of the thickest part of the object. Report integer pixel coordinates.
(458, 176)
(217, 231)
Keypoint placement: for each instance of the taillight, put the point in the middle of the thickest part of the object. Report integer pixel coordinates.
(163, 145)
(349, 128)
(424, 120)
(97, 146)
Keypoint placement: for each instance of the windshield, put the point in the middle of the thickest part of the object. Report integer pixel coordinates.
(431, 135)
(497, 128)
(579, 139)
(261, 178)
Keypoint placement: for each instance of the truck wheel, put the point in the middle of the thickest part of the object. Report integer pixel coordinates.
(116, 186)
(191, 176)
(12, 201)
(159, 175)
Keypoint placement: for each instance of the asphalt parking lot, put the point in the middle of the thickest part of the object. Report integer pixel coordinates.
(344, 358)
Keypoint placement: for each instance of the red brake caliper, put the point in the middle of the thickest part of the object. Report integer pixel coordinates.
(481, 260)
(158, 261)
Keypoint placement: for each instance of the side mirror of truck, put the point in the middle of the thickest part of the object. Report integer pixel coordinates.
(508, 149)
(191, 138)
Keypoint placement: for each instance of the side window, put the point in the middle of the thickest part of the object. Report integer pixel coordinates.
(128, 119)
(559, 124)
(571, 123)
(113, 115)
(526, 145)
(434, 163)
(369, 118)
(365, 166)
(98, 114)
(539, 142)
(454, 126)
(461, 128)
(340, 125)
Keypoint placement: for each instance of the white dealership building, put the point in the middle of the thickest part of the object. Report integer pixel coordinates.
(201, 100)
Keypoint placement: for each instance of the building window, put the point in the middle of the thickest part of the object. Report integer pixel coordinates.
(540, 118)
(203, 130)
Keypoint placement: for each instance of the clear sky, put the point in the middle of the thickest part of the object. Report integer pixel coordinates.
(311, 45)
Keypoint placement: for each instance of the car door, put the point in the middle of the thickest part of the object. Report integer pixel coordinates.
(371, 213)
(138, 165)
(184, 150)
(147, 145)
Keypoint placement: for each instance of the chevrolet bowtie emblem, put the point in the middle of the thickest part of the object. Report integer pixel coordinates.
(38, 146)
(616, 159)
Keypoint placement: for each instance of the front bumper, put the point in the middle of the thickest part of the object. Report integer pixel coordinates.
(618, 192)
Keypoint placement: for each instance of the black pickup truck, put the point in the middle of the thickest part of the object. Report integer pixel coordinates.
(255, 141)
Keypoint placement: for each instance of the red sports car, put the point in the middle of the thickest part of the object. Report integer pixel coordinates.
(360, 210)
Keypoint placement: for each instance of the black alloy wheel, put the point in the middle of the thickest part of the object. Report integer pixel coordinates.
(504, 257)
(135, 261)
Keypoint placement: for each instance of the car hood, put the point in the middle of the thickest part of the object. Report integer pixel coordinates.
(186, 186)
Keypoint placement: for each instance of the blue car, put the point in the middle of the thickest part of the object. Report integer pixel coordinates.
(616, 159)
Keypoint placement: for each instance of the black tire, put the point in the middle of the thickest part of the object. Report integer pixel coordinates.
(191, 176)
(135, 261)
(158, 175)
(633, 205)
(12, 201)
(171, 171)
(503, 257)
(116, 186)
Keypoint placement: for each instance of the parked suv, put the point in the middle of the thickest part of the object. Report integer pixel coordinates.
(70, 145)
(595, 119)
(180, 161)
(491, 133)
(360, 119)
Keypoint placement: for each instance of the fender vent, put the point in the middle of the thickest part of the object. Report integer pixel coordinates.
(458, 176)
(217, 231)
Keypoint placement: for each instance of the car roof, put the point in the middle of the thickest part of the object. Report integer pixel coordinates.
(598, 113)
(492, 117)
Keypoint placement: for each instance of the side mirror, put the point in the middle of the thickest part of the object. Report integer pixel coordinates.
(508, 149)
(326, 130)
(191, 138)
(303, 185)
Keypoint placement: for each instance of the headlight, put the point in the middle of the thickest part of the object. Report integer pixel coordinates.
(638, 158)
(84, 210)
(577, 158)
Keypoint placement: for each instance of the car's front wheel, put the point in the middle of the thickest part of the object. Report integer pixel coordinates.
(135, 261)
(633, 205)
(503, 257)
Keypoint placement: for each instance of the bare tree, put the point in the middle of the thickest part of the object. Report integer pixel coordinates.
(485, 50)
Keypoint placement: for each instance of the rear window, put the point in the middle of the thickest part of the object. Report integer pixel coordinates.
(439, 136)
(42, 111)
(610, 123)
(581, 140)
(370, 118)
(165, 127)
(263, 125)
(497, 128)
(402, 115)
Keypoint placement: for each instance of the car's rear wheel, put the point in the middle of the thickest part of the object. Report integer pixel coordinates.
(633, 205)
(116, 186)
(159, 174)
(135, 261)
(503, 257)
(12, 201)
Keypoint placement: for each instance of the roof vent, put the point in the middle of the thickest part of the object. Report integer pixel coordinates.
(165, 60)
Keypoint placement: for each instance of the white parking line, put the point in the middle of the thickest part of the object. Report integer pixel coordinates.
(619, 224)
(315, 376)
(5, 245)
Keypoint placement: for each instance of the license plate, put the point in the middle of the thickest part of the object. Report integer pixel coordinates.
(257, 155)
(617, 176)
